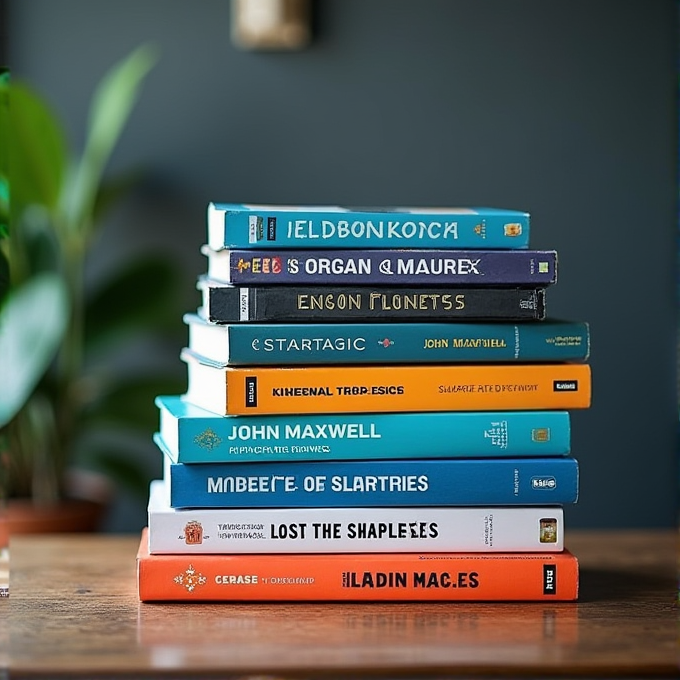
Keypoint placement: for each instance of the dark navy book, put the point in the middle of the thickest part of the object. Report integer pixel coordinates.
(383, 267)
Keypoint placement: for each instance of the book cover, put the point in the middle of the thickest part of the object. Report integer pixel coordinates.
(193, 435)
(369, 577)
(387, 343)
(351, 529)
(384, 388)
(383, 267)
(370, 484)
(233, 225)
(227, 303)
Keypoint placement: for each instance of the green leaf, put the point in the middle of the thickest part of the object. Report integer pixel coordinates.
(141, 296)
(4, 155)
(4, 277)
(4, 201)
(112, 190)
(32, 324)
(34, 246)
(111, 106)
(38, 154)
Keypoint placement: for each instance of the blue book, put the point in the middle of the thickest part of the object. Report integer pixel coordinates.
(384, 483)
(413, 266)
(233, 225)
(189, 434)
(289, 344)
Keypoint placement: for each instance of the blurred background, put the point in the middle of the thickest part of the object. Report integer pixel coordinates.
(566, 109)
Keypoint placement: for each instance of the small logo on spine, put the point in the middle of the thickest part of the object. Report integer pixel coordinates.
(549, 579)
(208, 439)
(193, 533)
(251, 391)
(547, 482)
(565, 385)
(255, 228)
(271, 229)
(244, 304)
(540, 434)
(190, 579)
(548, 530)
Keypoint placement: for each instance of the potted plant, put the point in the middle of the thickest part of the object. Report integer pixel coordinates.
(62, 402)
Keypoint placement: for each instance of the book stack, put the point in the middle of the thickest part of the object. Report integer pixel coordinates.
(377, 409)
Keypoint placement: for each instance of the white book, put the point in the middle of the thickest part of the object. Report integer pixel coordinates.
(351, 530)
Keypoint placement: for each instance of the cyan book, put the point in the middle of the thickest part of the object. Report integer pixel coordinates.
(288, 344)
(233, 225)
(190, 434)
(383, 483)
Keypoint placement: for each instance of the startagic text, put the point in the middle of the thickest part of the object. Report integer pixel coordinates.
(358, 344)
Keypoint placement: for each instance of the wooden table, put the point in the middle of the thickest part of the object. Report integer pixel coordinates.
(73, 612)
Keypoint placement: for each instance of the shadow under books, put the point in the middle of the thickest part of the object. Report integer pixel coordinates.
(601, 585)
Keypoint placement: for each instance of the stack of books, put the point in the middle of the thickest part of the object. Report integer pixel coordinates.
(377, 409)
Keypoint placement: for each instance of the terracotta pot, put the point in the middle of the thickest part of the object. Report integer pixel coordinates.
(71, 515)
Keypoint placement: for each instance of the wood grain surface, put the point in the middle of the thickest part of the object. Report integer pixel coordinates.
(73, 613)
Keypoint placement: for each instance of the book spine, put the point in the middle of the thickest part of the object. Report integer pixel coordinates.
(356, 530)
(384, 267)
(385, 343)
(360, 577)
(389, 483)
(373, 388)
(235, 304)
(244, 227)
(504, 434)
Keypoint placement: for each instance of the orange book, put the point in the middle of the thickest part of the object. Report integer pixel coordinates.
(386, 388)
(356, 577)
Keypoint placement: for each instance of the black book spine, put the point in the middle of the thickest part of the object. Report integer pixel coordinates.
(266, 304)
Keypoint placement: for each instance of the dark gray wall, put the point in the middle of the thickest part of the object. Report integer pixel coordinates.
(566, 109)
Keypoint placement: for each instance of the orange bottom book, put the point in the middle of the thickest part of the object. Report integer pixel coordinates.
(356, 577)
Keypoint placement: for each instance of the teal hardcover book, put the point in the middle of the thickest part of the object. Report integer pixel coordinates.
(193, 435)
(290, 344)
(233, 225)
